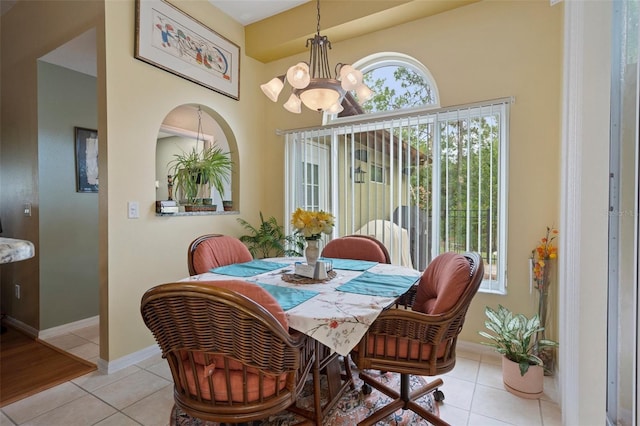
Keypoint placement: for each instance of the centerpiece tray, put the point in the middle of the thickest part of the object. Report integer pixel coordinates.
(299, 279)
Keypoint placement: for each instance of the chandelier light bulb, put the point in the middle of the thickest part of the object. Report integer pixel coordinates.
(293, 104)
(350, 77)
(298, 75)
(364, 93)
(273, 88)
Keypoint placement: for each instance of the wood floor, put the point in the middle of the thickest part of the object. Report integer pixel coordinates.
(28, 366)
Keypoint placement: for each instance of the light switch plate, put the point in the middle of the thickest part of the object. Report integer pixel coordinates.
(134, 209)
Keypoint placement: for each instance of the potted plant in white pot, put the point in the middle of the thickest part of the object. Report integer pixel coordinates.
(194, 172)
(513, 336)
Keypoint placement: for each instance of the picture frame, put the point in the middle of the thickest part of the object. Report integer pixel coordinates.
(86, 153)
(171, 40)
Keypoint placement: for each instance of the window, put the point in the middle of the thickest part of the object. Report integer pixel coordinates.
(437, 179)
(377, 174)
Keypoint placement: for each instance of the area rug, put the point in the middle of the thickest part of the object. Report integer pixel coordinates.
(29, 366)
(352, 407)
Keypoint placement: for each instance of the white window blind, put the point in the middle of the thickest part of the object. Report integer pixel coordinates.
(423, 183)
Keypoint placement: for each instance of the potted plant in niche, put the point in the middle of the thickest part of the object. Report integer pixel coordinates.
(195, 172)
(514, 337)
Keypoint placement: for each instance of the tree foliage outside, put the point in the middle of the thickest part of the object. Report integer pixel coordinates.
(396, 88)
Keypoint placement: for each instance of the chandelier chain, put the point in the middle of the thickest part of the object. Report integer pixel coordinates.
(318, 16)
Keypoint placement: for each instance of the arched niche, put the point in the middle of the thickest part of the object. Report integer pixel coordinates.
(179, 133)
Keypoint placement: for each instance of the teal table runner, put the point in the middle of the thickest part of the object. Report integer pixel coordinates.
(379, 284)
(248, 269)
(288, 297)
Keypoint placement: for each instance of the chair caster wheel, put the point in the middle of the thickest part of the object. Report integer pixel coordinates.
(366, 389)
(438, 395)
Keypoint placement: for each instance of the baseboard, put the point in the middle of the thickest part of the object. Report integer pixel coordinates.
(19, 325)
(68, 328)
(110, 367)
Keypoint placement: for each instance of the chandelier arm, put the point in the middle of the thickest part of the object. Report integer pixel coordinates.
(325, 72)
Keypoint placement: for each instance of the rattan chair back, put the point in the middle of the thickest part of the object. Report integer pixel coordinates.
(230, 359)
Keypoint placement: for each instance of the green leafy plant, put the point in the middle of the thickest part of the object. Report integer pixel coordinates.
(194, 170)
(269, 240)
(514, 336)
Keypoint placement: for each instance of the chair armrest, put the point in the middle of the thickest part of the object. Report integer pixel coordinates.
(417, 326)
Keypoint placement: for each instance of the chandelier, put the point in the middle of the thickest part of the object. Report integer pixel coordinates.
(312, 83)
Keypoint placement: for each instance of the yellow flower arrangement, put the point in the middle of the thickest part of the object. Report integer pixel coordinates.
(311, 224)
(545, 250)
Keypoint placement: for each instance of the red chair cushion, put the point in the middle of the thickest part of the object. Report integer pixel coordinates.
(404, 348)
(442, 283)
(354, 248)
(219, 251)
(215, 366)
(236, 380)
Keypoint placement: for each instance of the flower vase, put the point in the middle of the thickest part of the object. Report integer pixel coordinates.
(544, 274)
(312, 252)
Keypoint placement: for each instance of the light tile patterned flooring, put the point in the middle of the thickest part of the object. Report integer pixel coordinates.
(142, 394)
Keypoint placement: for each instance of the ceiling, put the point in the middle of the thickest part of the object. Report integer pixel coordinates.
(249, 11)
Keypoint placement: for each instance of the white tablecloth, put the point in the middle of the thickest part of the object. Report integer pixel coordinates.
(335, 318)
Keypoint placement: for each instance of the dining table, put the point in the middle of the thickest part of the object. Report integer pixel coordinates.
(335, 310)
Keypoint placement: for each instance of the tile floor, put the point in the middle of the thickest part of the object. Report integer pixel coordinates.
(142, 394)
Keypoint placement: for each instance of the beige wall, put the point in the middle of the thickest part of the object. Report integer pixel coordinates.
(152, 250)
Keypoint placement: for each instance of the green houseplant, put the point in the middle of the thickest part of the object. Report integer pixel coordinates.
(195, 170)
(269, 240)
(514, 336)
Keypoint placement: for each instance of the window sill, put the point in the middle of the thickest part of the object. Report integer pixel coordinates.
(205, 213)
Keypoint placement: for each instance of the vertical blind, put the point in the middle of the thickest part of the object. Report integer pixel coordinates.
(423, 183)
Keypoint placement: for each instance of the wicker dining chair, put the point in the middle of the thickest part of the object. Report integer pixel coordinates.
(230, 352)
(418, 335)
(215, 250)
(356, 246)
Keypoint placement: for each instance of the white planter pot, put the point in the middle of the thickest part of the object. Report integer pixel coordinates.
(528, 386)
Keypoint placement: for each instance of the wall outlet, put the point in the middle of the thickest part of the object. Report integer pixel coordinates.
(17, 289)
